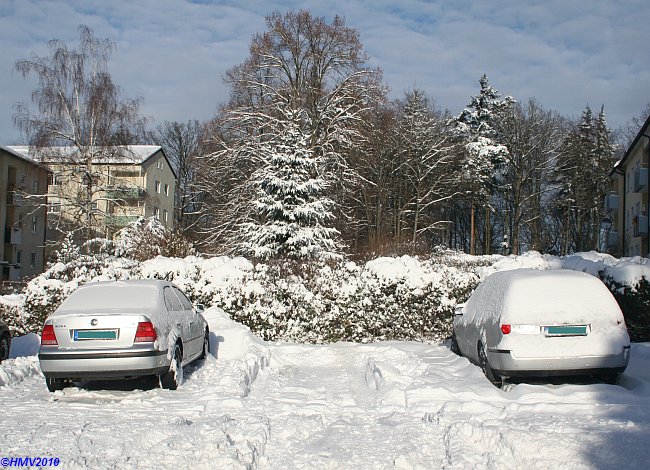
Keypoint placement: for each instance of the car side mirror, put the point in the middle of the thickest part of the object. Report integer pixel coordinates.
(199, 308)
(458, 310)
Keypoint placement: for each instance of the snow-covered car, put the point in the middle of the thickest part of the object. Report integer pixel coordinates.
(530, 323)
(5, 341)
(122, 329)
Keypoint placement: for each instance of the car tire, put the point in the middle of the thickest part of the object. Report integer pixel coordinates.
(173, 378)
(54, 384)
(206, 346)
(5, 343)
(611, 379)
(485, 367)
(454, 345)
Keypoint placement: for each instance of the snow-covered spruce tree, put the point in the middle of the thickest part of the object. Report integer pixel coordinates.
(292, 211)
(483, 155)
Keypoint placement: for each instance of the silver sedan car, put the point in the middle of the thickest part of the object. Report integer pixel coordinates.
(123, 329)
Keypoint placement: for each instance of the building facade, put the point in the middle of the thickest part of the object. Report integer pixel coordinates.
(626, 207)
(23, 217)
(125, 183)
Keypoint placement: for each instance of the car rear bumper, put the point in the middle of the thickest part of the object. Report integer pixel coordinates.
(505, 364)
(98, 364)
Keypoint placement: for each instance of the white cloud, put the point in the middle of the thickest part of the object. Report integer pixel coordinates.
(174, 53)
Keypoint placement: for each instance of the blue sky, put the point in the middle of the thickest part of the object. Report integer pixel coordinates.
(173, 53)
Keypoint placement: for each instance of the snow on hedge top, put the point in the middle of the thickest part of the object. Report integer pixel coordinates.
(628, 271)
(118, 295)
(531, 259)
(406, 267)
(528, 296)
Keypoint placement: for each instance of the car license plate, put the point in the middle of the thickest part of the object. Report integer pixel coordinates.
(566, 330)
(84, 335)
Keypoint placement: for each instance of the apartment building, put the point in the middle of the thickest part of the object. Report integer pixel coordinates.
(23, 182)
(626, 207)
(127, 183)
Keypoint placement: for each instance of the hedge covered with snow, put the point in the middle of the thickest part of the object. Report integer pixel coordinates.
(386, 298)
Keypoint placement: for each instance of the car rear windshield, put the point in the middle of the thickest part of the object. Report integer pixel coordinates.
(112, 297)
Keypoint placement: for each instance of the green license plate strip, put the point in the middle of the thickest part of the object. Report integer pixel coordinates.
(566, 330)
(84, 335)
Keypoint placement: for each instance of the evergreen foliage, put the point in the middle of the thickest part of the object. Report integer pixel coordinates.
(476, 124)
(292, 210)
(635, 305)
(587, 156)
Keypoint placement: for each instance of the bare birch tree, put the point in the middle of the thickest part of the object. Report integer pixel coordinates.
(533, 136)
(79, 109)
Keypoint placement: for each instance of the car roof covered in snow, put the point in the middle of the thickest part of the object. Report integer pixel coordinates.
(535, 296)
(116, 295)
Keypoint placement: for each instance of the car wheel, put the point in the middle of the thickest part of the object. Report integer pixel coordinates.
(173, 378)
(454, 345)
(4, 347)
(611, 379)
(206, 346)
(485, 367)
(54, 384)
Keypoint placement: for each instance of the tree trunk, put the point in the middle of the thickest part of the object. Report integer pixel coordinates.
(472, 235)
(488, 231)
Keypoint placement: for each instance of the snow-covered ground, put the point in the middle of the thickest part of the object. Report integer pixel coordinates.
(275, 405)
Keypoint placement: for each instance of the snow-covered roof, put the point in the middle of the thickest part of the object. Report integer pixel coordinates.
(129, 154)
(12, 150)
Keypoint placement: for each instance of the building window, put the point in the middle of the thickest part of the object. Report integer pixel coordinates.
(32, 259)
(165, 216)
(166, 190)
(19, 257)
(35, 187)
(159, 164)
(54, 179)
(54, 208)
(157, 187)
(34, 224)
(21, 217)
(156, 212)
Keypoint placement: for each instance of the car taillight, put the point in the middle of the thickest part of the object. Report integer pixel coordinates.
(48, 338)
(145, 332)
(506, 329)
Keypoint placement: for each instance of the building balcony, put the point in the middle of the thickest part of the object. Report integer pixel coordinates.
(119, 221)
(611, 203)
(640, 180)
(612, 239)
(640, 225)
(126, 193)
